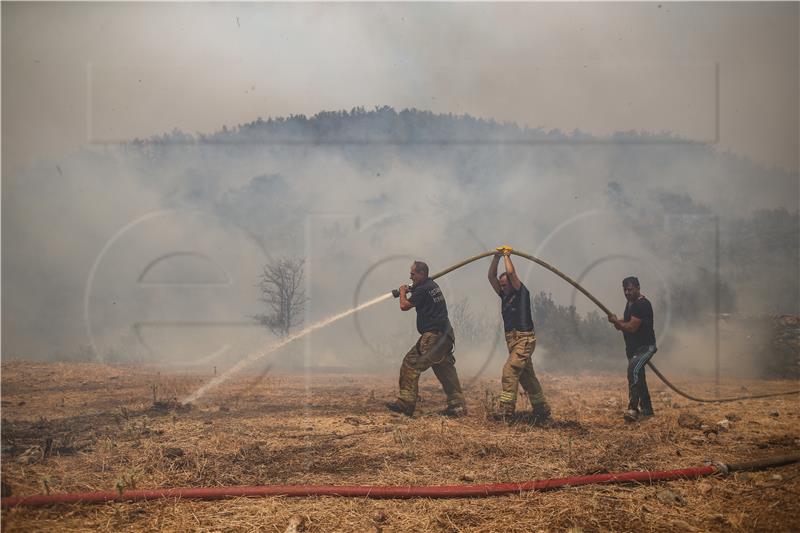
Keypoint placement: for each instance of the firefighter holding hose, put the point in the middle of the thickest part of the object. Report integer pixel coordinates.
(434, 349)
(640, 346)
(520, 339)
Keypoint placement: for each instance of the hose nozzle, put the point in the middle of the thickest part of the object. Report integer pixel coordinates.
(396, 292)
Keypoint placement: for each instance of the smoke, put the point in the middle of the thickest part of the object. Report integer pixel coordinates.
(151, 250)
(105, 72)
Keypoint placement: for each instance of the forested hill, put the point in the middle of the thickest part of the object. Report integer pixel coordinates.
(385, 124)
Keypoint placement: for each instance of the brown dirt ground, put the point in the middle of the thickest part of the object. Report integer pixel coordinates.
(102, 433)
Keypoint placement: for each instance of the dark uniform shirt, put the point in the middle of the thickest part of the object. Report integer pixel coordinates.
(516, 308)
(428, 300)
(645, 335)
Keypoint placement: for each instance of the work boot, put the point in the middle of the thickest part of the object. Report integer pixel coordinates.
(541, 413)
(631, 415)
(455, 411)
(399, 407)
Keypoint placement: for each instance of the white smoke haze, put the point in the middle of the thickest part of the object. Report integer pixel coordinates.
(150, 251)
(177, 279)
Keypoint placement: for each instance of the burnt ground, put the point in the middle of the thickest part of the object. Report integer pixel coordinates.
(84, 427)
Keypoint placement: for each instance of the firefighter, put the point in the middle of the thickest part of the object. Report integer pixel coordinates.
(640, 346)
(434, 349)
(520, 339)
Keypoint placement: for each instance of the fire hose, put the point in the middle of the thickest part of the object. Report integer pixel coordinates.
(608, 312)
(401, 492)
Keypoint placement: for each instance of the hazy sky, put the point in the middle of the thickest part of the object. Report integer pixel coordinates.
(78, 73)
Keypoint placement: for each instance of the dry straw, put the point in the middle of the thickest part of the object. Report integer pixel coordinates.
(79, 427)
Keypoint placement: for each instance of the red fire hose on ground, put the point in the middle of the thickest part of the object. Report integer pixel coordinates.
(436, 491)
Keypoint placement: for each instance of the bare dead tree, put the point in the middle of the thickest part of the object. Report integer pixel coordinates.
(282, 290)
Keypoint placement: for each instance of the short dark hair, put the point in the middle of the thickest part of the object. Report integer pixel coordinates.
(421, 268)
(503, 275)
(631, 280)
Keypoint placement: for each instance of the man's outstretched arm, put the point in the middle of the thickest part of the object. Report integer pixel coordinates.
(493, 274)
(512, 274)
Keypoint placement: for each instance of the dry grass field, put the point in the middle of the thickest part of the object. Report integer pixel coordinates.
(84, 427)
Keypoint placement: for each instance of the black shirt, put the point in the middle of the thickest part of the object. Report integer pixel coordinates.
(428, 300)
(645, 335)
(516, 308)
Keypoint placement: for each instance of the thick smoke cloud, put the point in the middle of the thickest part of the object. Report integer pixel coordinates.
(176, 229)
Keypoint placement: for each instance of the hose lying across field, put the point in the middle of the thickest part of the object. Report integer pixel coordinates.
(366, 491)
(605, 309)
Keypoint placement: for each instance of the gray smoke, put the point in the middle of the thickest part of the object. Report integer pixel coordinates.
(151, 250)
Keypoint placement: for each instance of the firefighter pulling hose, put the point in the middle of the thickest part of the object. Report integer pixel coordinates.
(510, 251)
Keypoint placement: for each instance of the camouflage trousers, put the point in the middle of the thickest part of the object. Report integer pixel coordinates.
(518, 370)
(432, 350)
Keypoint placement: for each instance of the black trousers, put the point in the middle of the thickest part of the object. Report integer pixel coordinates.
(638, 394)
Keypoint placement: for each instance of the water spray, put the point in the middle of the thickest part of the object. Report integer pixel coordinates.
(252, 358)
